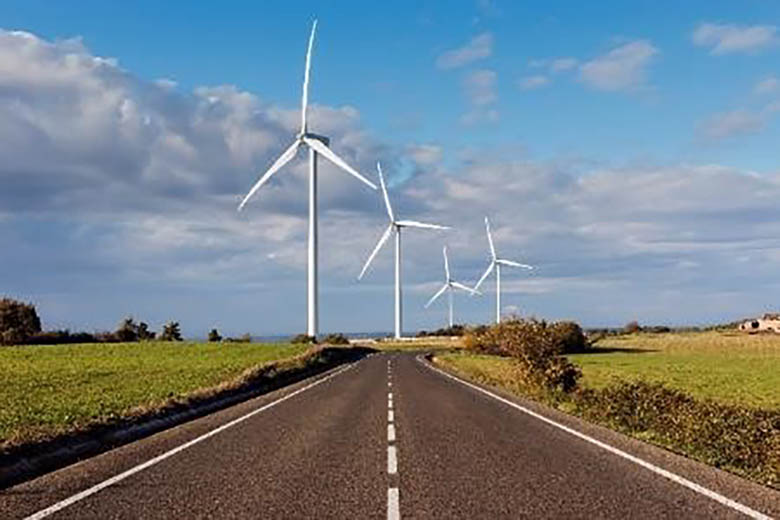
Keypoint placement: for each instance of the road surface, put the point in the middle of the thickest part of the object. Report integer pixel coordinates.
(387, 437)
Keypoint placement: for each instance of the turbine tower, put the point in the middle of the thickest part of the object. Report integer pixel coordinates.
(395, 225)
(317, 145)
(450, 285)
(496, 263)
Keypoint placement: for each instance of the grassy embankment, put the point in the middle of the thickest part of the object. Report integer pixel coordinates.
(46, 391)
(728, 369)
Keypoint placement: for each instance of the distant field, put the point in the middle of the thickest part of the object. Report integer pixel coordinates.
(45, 390)
(725, 366)
(429, 343)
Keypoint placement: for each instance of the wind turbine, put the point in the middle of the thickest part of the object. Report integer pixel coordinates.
(318, 145)
(496, 263)
(449, 285)
(395, 225)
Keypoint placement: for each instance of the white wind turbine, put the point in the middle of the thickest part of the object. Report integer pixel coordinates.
(395, 225)
(496, 263)
(449, 285)
(318, 145)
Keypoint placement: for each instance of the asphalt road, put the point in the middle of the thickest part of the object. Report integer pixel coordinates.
(387, 437)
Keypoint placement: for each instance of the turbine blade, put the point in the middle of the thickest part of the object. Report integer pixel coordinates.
(514, 264)
(384, 193)
(436, 296)
(305, 97)
(466, 288)
(379, 245)
(487, 273)
(413, 223)
(281, 161)
(321, 149)
(446, 264)
(490, 239)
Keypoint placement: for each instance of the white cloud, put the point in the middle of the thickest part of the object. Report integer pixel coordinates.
(480, 86)
(731, 38)
(767, 86)
(730, 124)
(478, 48)
(622, 68)
(425, 154)
(562, 64)
(533, 82)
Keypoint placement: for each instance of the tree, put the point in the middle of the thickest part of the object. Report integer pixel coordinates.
(127, 330)
(18, 321)
(144, 334)
(171, 332)
(214, 336)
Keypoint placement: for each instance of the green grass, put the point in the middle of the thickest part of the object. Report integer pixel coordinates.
(726, 367)
(47, 390)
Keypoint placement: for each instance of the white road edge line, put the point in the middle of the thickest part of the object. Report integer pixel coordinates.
(392, 461)
(752, 513)
(393, 512)
(390, 433)
(43, 513)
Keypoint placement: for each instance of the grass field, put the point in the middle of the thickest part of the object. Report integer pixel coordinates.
(725, 366)
(46, 390)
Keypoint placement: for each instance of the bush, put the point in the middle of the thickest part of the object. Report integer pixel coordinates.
(725, 436)
(171, 332)
(455, 330)
(537, 348)
(61, 337)
(632, 327)
(570, 338)
(243, 338)
(336, 339)
(303, 338)
(214, 336)
(18, 321)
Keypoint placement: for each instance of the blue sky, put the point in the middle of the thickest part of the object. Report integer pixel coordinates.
(542, 114)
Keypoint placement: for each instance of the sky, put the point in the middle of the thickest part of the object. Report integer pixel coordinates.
(628, 150)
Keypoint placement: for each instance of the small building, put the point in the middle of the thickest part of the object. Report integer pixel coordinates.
(769, 322)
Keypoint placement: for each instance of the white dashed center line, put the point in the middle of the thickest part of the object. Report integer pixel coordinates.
(393, 512)
(392, 461)
(393, 508)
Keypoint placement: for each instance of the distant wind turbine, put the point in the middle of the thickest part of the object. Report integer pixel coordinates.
(395, 225)
(449, 285)
(318, 145)
(496, 263)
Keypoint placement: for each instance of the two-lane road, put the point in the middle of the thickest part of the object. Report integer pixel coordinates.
(387, 437)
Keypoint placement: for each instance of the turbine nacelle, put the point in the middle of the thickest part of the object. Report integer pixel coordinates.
(450, 283)
(394, 225)
(318, 143)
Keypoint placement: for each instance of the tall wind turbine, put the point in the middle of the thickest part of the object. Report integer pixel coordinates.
(496, 263)
(317, 145)
(449, 285)
(395, 225)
